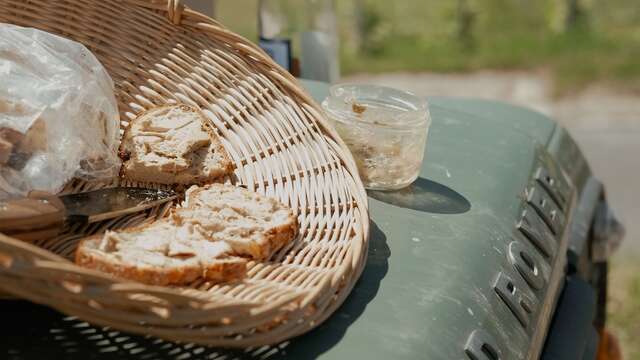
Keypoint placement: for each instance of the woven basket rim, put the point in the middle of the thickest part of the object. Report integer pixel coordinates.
(304, 311)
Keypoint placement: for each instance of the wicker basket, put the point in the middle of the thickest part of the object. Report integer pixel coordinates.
(158, 53)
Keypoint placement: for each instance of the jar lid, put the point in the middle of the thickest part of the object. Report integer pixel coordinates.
(375, 105)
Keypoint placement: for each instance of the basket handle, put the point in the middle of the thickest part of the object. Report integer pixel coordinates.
(38, 216)
(174, 10)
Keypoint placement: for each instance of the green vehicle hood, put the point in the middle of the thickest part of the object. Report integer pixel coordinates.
(436, 247)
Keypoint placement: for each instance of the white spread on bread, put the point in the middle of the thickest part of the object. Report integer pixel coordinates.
(208, 237)
(173, 145)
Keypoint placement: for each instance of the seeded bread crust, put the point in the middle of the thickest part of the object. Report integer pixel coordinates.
(166, 176)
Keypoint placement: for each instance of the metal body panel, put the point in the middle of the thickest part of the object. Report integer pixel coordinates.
(567, 154)
(579, 257)
(434, 289)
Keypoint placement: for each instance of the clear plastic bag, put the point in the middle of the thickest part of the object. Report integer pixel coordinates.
(58, 113)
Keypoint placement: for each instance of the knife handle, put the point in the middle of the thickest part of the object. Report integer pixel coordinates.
(39, 215)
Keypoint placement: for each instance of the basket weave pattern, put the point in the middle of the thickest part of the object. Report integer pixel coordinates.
(160, 52)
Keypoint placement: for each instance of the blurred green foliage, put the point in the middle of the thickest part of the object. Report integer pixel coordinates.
(623, 315)
(578, 41)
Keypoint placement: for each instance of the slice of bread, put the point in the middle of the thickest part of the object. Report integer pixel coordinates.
(161, 254)
(173, 145)
(253, 225)
(208, 237)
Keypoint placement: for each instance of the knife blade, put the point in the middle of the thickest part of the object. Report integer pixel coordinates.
(42, 214)
(108, 203)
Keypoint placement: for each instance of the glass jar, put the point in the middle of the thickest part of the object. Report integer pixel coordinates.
(386, 130)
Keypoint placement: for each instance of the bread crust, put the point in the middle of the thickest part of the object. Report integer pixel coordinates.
(219, 270)
(225, 163)
(150, 275)
(262, 240)
(275, 237)
(281, 236)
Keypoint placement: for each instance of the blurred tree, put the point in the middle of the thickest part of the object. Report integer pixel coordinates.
(465, 23)
(574, 12)
(358, 9)
(567, 15)
(368, 21)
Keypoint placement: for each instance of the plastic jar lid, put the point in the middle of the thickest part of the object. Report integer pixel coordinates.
(377, 106)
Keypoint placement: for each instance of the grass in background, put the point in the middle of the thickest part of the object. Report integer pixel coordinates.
(603, 45)
(624, 304)
(574, 59)
(426, 35)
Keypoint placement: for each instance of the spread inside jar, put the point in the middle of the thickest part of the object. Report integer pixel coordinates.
(385, 130)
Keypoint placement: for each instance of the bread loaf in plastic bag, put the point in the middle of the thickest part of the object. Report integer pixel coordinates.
(58, 113)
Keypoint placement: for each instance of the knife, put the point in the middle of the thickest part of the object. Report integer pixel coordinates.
(42, 215)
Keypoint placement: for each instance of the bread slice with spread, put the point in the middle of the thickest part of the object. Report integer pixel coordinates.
(161, 254)
(253, 225)
(211, 237)
(173, 145)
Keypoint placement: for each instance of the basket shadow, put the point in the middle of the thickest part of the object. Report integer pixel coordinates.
(33, 331)
(329, 333)
(425, 195)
